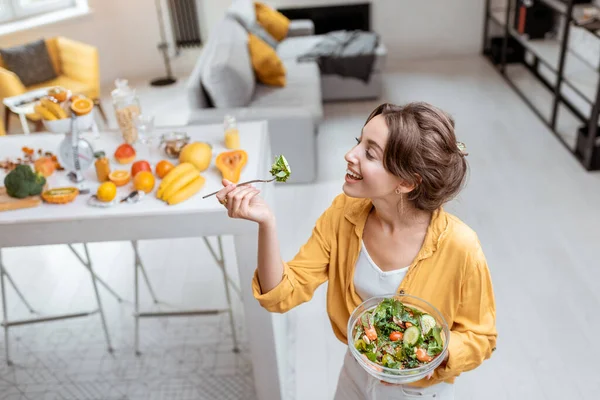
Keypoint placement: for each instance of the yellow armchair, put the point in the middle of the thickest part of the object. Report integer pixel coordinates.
(77, 68)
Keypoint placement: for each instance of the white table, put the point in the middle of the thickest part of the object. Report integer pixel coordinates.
(152, 219)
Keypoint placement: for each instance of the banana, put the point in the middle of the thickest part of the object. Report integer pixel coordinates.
(44, 112)
(179, 184)
(54, 108)
(188, 191)
(172, 176)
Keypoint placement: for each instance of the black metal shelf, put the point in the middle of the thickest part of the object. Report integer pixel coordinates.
(547, 51)
(564, 65)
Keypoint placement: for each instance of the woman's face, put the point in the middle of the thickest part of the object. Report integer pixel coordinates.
(365, 175)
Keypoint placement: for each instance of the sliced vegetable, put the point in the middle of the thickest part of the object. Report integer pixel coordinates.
(437, 336)
(427, 323)
(422, 355)
(395, 336)
(411, 336)
(360, 344)
(371, 333)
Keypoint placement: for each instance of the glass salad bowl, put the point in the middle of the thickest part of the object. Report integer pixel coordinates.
(398, 338)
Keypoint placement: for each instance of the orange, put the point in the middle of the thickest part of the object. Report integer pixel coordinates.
(107, 192)
(82, 105)
(163, 167)
(144, 180)
(120, 177)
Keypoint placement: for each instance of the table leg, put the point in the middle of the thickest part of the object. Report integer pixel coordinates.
(220, 260)
(7, 113)
(98, 300)
(98, 104)
(24, 123)
(4, 312)
(265, 330)
(88, 264)
(136, 338)
(140, 265)
(12, 283)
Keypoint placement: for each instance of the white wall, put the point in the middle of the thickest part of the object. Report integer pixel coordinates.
(126, 33)
(419, 28)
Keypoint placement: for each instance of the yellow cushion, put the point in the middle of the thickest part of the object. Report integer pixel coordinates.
(272, 20)
(266, 63)
(51, 45)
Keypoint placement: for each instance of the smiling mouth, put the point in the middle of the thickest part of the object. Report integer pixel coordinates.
(353, 175)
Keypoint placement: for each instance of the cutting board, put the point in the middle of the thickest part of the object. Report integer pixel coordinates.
(10, 203)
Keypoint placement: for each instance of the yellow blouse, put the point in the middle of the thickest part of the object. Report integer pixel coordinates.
(450, 271)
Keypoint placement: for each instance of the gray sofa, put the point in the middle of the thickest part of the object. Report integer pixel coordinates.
(223, 83)
(224, 74)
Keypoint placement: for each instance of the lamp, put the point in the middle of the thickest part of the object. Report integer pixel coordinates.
(164, 48)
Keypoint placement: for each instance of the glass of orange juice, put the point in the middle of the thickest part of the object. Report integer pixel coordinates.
(232, 135)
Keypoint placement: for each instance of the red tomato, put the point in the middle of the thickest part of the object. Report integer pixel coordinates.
(395, 336)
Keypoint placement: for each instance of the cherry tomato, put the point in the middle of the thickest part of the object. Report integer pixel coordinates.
(395, 336)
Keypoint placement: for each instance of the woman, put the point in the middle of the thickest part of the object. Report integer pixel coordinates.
(387, 233)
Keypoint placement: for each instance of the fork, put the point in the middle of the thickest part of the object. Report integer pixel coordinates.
(243, 183)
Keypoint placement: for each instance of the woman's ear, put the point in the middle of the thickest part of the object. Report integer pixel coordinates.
(405, 186)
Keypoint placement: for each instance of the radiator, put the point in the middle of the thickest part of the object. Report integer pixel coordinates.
(184, 21)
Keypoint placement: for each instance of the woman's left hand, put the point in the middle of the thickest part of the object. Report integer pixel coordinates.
(428, 376)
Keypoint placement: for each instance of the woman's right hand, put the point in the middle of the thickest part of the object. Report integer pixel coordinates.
(244, 202)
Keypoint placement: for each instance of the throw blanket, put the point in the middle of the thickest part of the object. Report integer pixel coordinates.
(345, 53)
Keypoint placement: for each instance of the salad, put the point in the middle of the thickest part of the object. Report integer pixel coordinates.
(394, 335)
(280, 169)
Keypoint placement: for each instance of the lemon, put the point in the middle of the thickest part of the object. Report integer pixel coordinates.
(107, 192)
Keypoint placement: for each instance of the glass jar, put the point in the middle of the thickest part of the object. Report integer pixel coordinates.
(232, 135)
(127, 108)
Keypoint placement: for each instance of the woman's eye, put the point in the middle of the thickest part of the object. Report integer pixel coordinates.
(357, 140)
(369, 156)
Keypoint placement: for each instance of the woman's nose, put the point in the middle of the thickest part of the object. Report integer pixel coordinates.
(350, 157)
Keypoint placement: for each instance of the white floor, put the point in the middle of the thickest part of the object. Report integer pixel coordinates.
(536, 210)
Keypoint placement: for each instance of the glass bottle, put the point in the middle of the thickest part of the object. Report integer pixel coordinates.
(232, 135)
(102, 165)
(127, 108)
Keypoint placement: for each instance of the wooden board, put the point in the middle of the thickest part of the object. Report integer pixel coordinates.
(10, 203)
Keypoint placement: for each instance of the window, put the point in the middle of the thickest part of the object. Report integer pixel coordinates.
(12, 10)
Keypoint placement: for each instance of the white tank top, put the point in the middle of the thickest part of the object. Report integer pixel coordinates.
(370, 280)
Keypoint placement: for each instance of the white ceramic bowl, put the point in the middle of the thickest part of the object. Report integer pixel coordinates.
(84, 123)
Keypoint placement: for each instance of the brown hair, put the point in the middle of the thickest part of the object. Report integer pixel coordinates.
(422, 150)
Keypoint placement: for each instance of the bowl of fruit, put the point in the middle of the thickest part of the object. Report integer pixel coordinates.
(398, 338)
(57, 116)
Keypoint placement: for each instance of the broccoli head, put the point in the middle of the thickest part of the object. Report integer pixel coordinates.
(22, 182)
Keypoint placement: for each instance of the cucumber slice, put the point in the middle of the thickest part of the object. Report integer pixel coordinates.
(411, 336)
(427, 323)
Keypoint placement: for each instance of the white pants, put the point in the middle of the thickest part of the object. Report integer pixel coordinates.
(356, 384)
